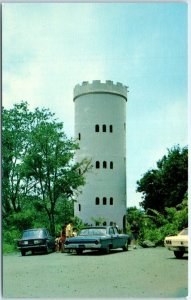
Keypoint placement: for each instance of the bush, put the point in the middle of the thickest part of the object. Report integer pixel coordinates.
(19, 220)
(155, 226)
(10, 238)
(8, 248)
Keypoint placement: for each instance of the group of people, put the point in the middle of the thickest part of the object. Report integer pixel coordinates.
(67, 231)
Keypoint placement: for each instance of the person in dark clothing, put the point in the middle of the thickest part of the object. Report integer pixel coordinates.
(135, 233)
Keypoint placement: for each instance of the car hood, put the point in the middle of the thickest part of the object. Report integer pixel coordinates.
(177, 237)
(32, 238)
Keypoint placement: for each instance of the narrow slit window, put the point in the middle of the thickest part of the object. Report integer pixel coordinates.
(104, 200)
(104, 128)
(111, 165)
(111, 128)
(97, 201)
(111, 200)
(97, 164)
(97, 128)
(104, 164)
(79, 136)
(79, 206)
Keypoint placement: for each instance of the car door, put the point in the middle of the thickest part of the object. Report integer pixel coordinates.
(114, 237)
(119, 239)
(49, 238)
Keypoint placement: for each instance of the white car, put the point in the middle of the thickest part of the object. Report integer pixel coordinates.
(178, 243)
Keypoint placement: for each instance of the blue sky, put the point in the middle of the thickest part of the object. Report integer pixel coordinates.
(48, 48)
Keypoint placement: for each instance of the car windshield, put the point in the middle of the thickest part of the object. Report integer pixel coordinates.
(33, 234)
(184, 232)
(93, 231)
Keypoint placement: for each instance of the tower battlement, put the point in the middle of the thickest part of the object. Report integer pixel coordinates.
(96, 86)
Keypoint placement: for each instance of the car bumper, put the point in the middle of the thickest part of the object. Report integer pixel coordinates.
(83, 246)
(177, 248)
(33, 247)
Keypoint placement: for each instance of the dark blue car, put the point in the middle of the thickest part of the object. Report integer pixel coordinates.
(102, 238)
(36, 240)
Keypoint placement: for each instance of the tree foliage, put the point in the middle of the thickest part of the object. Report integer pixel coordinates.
(165, 186)
(39, 171)
(155, 226)
(16, 125)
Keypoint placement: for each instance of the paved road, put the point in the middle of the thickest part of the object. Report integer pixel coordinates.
(136, 273)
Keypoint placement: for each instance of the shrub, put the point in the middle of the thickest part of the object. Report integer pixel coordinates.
(155, 226)
(10, 238)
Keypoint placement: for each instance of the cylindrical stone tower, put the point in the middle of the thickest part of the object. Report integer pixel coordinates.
(100, 127)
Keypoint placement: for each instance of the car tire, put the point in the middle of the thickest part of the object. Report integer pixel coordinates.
(23, 252)
(107, 250)
(125, 247)
(178, 254)
(47, 248)
(79, 251)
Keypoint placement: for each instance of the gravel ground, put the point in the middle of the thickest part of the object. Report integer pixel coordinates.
(153, 272)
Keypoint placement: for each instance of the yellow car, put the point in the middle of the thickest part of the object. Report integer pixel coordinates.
(178, 243)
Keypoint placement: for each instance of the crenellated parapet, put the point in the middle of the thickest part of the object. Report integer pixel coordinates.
(96, 86)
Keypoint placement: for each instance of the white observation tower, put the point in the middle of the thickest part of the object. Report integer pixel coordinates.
(100, 127)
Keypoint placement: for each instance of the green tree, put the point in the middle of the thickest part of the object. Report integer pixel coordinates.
(17, 124)
(39, 172)
(50, 167)
(134, 214)
(166, 185)
(155, 226)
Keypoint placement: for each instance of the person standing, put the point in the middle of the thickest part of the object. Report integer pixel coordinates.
(75, 232)
(57, 243)
(62, 238)
(69, 229)
(135, 233)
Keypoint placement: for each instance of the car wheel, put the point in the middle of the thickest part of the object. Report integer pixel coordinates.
(107, 250)
(79, 251)
(23, 252)
(125, 247)
(178, 254)
(48, 249)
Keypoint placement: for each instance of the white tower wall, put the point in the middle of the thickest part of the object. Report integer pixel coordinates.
(104, 195)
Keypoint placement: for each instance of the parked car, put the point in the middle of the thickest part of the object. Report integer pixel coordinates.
(178, 243)
(102, 238)
(36, 240)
